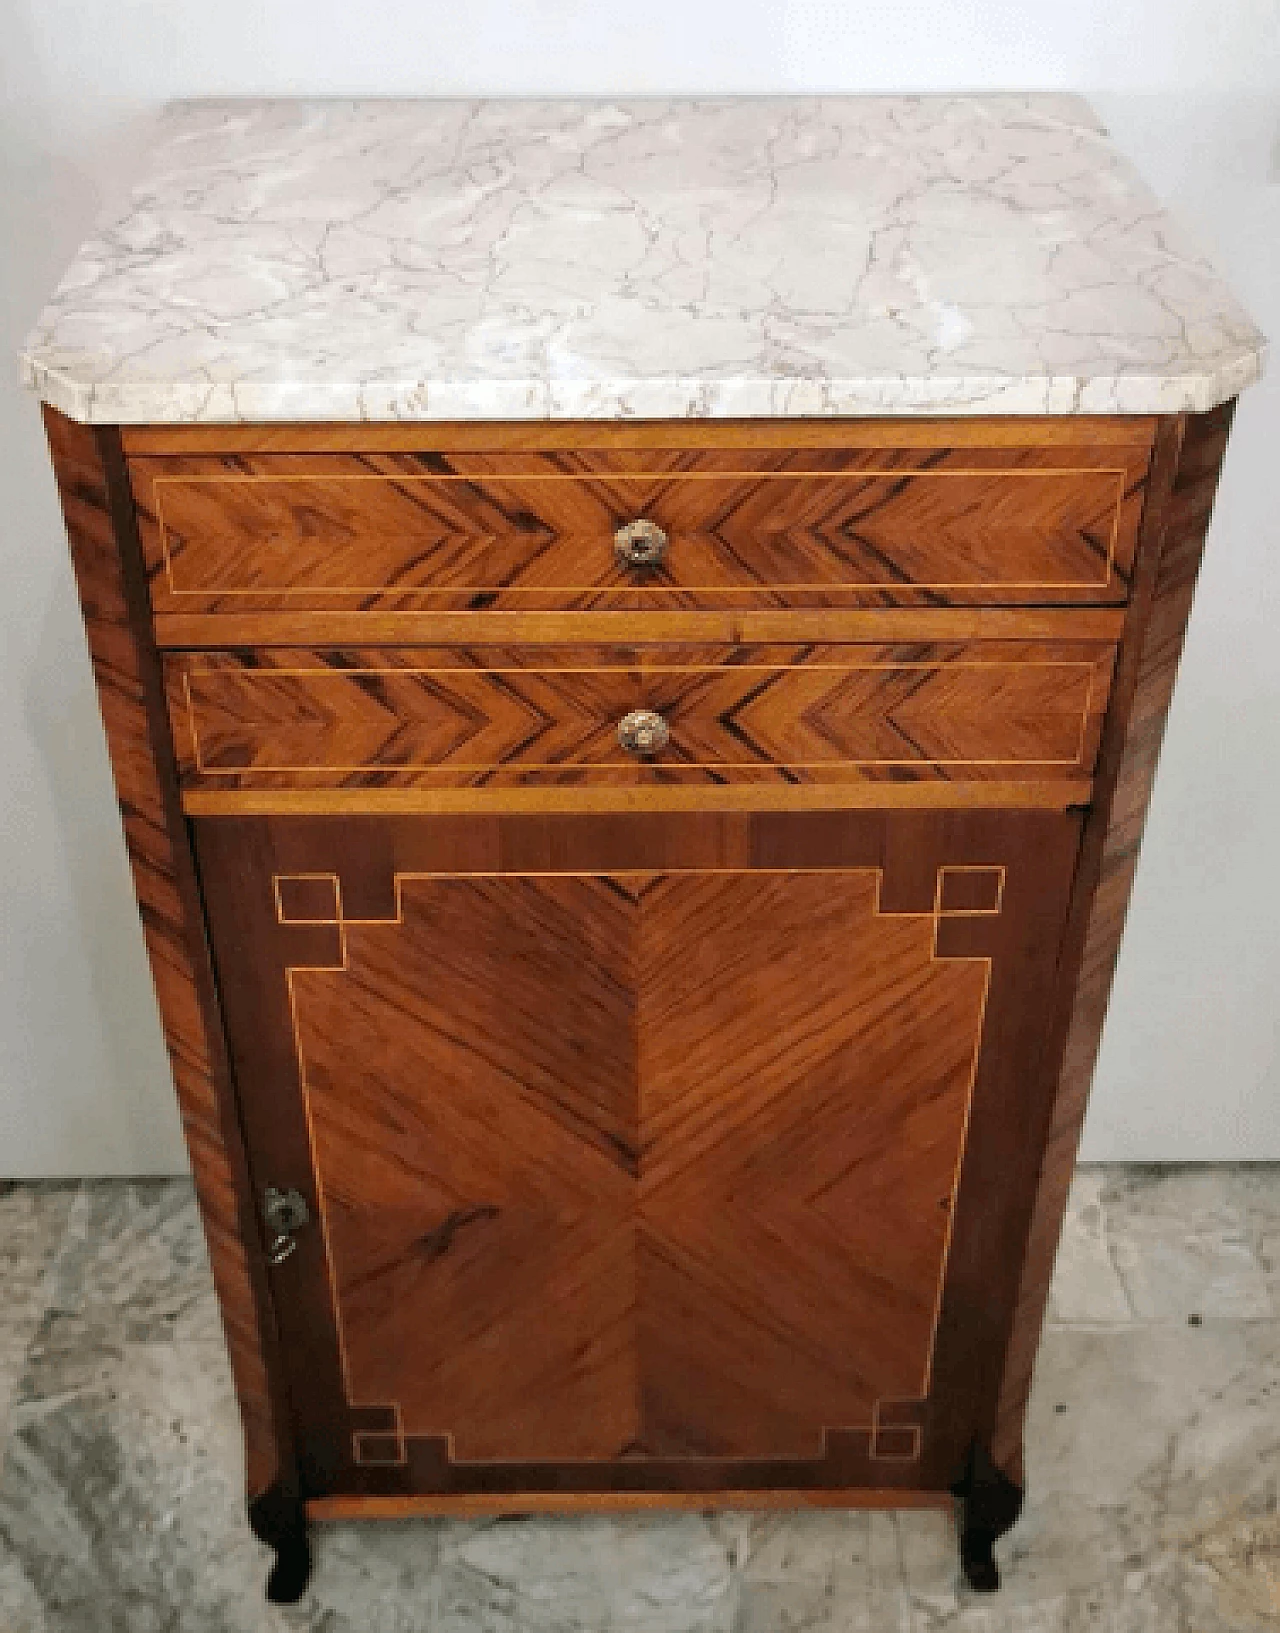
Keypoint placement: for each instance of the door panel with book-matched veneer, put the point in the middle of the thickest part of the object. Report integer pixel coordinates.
(642, 1153)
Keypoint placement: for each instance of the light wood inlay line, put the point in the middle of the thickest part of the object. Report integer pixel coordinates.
(975, 869)
(285, 917)
(634, 587)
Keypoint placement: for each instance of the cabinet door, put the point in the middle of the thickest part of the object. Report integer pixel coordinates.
(675, 1153)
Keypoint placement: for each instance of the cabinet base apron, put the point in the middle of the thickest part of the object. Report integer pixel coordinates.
(480, 1505)
(985, 1503)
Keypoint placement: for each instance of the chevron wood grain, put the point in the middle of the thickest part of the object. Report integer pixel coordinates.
(93, 492)
(624, 1170)
(534, 716)
(908, 526)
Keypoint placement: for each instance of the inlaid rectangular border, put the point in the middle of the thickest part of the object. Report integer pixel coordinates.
(317, 667)
(895, 1432)
(173, 591)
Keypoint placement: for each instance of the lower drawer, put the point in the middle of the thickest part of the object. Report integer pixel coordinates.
(628, 717)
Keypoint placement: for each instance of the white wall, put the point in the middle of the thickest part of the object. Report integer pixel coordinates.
(1192, 91)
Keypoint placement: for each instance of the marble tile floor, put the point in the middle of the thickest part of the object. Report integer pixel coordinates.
(1153, 1453)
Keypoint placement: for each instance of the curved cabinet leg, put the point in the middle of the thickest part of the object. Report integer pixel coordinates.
(278, 1518)
(987, 1505)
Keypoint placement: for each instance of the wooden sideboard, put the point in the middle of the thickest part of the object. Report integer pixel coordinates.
(680, 1115)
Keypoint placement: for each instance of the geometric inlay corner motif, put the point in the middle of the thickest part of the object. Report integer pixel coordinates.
(896, 1431)
(380, 1448)
(308, 898)
(969, 891)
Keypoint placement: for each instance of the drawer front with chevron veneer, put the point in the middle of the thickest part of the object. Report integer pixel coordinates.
(638, 530)
(487, 717)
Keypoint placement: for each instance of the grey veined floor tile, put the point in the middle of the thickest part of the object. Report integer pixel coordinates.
(1169, 1244)
(120, 1495)
(646, 1572)
(134, 1260)
(33, 1220)
(1087, 1285)
(373, 1578)
(1154, 1453)
(1183, 1244)
(1154, 1476)
(33, 1223)
(826, 1569)
(1258, 1188)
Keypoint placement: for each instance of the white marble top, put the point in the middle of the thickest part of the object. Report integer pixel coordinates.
(547, 260)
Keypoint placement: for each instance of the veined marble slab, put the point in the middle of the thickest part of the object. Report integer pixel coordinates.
(560, 260)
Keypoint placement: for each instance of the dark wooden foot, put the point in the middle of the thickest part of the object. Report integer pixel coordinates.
(987, 1504)
(277, 1518)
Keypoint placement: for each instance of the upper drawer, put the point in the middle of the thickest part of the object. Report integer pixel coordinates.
(535, 532)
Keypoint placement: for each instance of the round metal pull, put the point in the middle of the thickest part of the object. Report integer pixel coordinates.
(642, 732)
(640, 544)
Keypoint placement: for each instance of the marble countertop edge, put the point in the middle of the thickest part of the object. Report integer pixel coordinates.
(425, 401)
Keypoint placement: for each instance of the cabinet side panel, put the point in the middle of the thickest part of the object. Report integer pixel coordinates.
(1186, 465)
(127, 675)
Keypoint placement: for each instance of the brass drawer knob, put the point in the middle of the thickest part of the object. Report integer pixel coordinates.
(640, 544)
(642, 732)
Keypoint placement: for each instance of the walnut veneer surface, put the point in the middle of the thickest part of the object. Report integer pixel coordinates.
(677, 1118)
